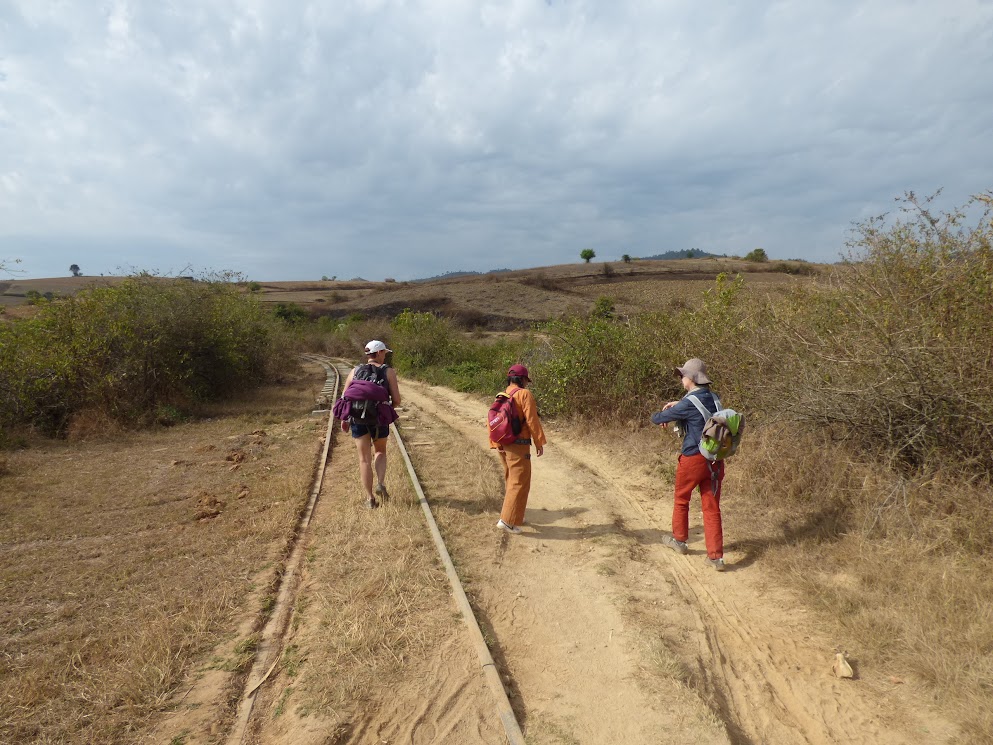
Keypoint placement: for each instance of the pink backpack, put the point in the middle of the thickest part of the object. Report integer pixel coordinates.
(503, 421)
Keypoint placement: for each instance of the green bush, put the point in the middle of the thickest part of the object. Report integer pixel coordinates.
(436, 350)
(623, 370)
(603, 307)
(290, 313)
(124, 351)
(423, 340)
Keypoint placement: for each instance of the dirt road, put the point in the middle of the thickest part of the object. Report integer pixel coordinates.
(601, 633)
(609, 637)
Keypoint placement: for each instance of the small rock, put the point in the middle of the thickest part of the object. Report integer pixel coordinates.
(841, 667)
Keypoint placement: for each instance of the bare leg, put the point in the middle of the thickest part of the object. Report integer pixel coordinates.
(380, 459)
(364, 446)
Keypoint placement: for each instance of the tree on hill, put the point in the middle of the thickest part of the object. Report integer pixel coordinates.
(587, 254)
(74, 268)
(756, 254)
(626, 258)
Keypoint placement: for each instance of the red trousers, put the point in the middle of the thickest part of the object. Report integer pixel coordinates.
(694, 471)
(517, 475)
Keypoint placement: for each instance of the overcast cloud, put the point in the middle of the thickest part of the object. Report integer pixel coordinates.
(375, 138)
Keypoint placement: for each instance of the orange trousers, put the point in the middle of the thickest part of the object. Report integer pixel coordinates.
(517, 476)
(694, 471)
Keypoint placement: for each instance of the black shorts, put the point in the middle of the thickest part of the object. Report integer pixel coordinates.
(377, 432)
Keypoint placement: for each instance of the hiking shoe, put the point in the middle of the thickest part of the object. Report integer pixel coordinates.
(679, 547)
(381, 492)
(509, 528)
(717, 564)
(370, 504)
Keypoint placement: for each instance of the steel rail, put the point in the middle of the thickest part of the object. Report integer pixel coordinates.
(487, 665)
(270, 645)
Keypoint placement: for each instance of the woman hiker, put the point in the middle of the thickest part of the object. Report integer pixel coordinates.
(516, 456)
(694, 470)
(374, 380)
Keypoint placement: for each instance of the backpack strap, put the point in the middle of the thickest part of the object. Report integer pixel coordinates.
(701, 408)
(372, 374)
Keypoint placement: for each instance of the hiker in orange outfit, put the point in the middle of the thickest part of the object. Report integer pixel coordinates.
(516, 456)
(694, 470)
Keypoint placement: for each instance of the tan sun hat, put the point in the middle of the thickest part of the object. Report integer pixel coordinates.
(696, 370)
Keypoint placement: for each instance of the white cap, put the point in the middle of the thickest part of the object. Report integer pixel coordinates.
(376, 346)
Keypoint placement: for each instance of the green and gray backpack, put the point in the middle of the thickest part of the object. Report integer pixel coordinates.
(722, 430)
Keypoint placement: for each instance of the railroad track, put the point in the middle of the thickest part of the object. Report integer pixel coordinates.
(272, 642)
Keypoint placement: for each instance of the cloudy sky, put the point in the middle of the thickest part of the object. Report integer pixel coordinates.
(392, 138)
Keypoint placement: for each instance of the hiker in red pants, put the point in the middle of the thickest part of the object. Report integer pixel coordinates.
(694, 470)
(516, 456)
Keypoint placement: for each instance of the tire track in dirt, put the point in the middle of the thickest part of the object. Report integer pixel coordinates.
(755, 654)
(548, 599)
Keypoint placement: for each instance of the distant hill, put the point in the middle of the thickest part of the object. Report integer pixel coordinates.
(690, 253)
(498, 300)
(451, 275)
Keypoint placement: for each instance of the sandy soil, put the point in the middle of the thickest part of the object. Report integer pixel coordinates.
(601, 634)
(586, 603)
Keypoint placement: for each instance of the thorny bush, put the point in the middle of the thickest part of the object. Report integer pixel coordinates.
(895, 355)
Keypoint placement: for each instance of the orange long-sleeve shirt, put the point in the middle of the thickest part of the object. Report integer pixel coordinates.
(528, 409)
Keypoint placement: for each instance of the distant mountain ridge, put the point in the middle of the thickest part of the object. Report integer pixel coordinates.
(449, 275)
(690, 253)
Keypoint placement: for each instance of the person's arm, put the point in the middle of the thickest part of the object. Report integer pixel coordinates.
(529, 410)
(391, 380)
(348, 380)
(673, 411)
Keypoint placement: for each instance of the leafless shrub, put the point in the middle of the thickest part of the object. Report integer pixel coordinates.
(540, 279)
(895, 356)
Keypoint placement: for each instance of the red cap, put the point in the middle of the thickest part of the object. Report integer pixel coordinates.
(518, 371)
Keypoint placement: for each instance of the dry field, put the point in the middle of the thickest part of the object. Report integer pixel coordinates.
(138, 569)
(515, 299)
(504, 300)
(131, 560)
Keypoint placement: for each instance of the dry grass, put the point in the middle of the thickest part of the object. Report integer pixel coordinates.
(113, 587)
(894, 563)
(381, 598)
(664, 294)
(900, 571)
